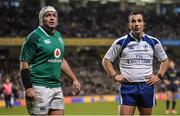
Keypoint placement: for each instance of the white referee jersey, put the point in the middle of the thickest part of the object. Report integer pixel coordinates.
(136, 58)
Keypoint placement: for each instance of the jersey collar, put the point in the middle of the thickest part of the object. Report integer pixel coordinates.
(43, 31)
(135, 37)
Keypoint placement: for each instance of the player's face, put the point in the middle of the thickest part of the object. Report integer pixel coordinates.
(50, 20)
(136, 24)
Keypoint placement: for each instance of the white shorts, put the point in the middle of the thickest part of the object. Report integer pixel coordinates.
(48, 98)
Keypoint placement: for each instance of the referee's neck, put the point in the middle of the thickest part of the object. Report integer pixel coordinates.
(137, 37)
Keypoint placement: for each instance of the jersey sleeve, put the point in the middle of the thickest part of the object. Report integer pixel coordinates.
(28, 50)
(113, 51)
(159, 52)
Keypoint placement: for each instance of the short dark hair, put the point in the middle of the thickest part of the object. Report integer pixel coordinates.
(135, 13)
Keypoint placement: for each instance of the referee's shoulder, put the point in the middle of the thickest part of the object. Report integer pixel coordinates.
(150, 36)
(121, 39)
(154, 39)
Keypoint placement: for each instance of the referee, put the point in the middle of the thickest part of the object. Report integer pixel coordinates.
(135, 51)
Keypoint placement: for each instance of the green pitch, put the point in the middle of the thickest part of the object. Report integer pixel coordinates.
(108, 108)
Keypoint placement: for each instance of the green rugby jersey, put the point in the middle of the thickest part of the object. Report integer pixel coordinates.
(44, 53)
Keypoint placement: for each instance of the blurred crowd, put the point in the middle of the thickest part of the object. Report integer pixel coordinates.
(82, 22)
(86, 64)
(90, 21)
(9, 69)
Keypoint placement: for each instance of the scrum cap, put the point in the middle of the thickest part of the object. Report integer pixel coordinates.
(43, 11)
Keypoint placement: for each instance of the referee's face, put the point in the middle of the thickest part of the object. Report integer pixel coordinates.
(136, 24)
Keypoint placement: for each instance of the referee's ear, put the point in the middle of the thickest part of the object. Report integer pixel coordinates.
(144, 25)
(129, 27)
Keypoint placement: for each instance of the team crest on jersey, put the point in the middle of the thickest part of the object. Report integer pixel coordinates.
(145, 46)
(47, 41)
(57, 53)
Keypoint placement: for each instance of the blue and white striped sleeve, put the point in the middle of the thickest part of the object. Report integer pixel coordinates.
(113, 51)
(159, 52)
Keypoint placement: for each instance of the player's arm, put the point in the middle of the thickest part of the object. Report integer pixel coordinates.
(28, 52)
(26, 79)
(166, 79)
(25, 74)
(177, 81)
(111, 71)
(66, 69)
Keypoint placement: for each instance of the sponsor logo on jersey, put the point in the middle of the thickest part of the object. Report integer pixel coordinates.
(54, 60)
(139, 61)
(57, 53)
(47, 41)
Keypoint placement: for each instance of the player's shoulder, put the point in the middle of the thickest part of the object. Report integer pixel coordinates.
(34, 35)
(57, 33)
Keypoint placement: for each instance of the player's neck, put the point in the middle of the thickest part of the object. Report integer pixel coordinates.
(48, 30)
